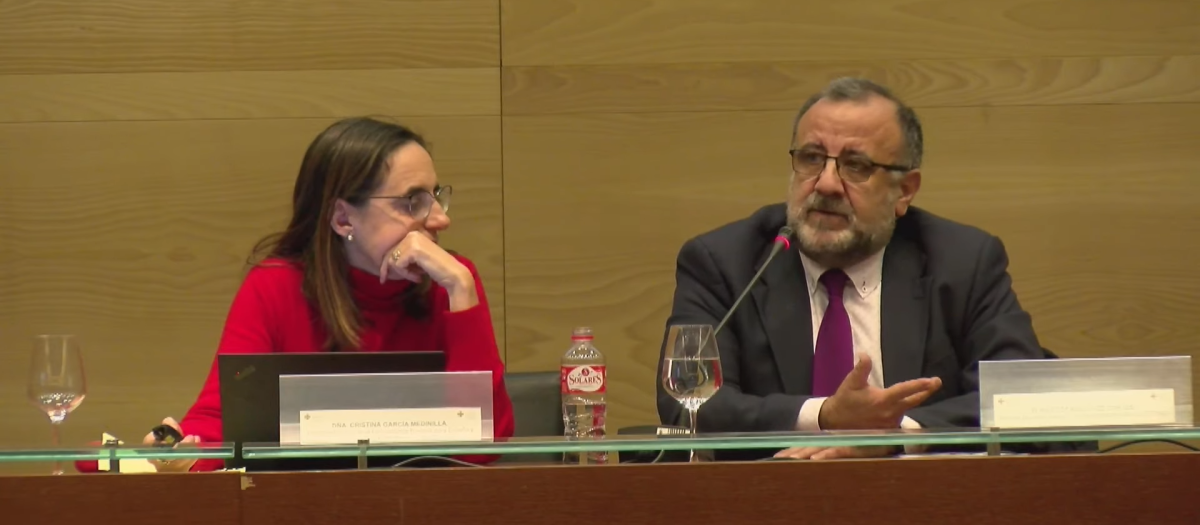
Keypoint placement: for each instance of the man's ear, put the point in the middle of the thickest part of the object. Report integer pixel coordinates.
(342, 219)
(908, 186)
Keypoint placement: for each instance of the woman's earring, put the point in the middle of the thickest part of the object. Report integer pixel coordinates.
(350, 237)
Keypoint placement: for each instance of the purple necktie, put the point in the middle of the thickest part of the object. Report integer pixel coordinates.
(834, 356)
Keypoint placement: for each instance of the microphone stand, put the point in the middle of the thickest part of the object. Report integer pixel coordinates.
(782, 242)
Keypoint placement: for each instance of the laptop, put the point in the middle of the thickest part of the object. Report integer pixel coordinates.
(250, 397)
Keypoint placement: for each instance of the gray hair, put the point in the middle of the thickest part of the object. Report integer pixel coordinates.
(858, 90)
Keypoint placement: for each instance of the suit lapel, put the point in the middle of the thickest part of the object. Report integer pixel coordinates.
(783, 303)
(904, 311)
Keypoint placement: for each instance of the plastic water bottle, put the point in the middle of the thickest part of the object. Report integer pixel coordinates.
(584, 382)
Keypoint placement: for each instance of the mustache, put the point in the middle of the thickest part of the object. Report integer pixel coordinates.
(817, 202)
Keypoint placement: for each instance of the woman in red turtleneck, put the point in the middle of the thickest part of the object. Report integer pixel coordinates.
(358, 268)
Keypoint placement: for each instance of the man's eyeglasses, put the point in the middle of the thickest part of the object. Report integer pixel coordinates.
(853, 167)
(418, 204)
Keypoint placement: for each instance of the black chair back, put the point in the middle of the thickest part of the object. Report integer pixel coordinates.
(537, 409)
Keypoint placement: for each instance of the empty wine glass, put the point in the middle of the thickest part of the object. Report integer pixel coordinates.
(56, 381)
(691, 369)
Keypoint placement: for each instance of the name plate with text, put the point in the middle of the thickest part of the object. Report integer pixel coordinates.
(403, 425)
(1082, 409)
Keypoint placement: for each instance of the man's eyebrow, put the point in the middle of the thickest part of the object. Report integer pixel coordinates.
(852, 152)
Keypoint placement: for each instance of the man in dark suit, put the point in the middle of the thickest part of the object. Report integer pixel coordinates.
(881, 316)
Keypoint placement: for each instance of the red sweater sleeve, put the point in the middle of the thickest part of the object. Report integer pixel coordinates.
(246, 331)
(471, 346)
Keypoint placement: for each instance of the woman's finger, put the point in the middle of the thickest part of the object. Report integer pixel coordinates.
(170, 421)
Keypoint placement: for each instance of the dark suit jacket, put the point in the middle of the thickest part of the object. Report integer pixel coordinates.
(947, 303)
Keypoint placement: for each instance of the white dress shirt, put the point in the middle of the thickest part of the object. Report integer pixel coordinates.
(862, 305)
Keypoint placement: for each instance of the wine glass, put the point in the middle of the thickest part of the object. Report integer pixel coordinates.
(56, 381)
(692, 368)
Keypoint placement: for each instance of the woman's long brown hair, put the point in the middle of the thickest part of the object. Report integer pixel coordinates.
(346, 161)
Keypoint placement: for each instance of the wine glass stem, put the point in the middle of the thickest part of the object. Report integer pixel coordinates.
(56, 442)
(692, 430)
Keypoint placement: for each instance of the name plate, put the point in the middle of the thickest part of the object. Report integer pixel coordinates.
(1085, 409)
(341, 427)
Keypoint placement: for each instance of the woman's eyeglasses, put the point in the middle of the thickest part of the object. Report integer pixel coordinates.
(418, 204)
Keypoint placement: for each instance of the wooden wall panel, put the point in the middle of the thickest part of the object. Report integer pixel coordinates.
(596, 208)
(1063, 126)
(118, 36)
(133, 235)
(1092, 220)
(572, 32)
(1095, 220)
(145, 146)
(249, 94)
(756, 86)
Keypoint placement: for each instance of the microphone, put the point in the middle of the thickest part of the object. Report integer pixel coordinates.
(782, 242)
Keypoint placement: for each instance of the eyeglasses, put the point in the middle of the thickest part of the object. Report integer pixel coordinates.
(808, 163)
(418, 204)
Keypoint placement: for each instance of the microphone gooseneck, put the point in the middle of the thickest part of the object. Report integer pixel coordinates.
(782, 242)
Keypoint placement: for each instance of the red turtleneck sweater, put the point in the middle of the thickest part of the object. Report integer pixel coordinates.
(270, 314)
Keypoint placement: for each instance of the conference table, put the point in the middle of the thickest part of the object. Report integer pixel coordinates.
(992, 487)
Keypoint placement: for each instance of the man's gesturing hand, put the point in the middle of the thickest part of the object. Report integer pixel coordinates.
(857, 405)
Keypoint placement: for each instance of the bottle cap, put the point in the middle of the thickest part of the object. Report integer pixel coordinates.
(582, 333)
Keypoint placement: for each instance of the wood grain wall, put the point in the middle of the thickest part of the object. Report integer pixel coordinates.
(1068, 128)
(145, 145)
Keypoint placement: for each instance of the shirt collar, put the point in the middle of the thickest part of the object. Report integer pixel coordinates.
(866, 275)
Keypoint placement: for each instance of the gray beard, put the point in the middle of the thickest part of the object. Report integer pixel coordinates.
(862, 243)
